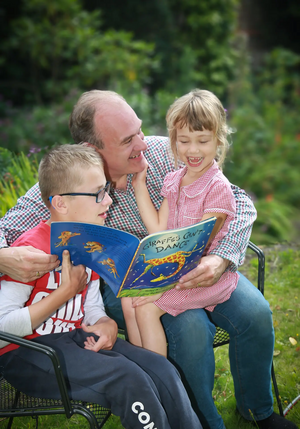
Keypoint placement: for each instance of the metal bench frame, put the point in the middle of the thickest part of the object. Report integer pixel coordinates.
(16, 404)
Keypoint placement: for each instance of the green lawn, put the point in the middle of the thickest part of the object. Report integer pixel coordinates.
(283, 293)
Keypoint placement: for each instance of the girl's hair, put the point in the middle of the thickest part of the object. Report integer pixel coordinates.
(199, 109)
(58, 170)
(81, 122)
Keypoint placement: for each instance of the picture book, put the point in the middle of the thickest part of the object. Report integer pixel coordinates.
(129, 266)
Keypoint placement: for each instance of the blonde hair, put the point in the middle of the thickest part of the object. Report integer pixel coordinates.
(58, 170)
(81, 122)
(199, 109)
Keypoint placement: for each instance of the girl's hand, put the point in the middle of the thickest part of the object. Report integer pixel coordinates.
(139, 178)
(142, 300)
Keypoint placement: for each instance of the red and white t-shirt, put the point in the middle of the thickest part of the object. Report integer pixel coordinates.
(16, 297)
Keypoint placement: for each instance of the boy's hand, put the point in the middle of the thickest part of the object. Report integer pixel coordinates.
(106, 329)
(73, 279)
(137, 301)
(25, 263)
(139, 178)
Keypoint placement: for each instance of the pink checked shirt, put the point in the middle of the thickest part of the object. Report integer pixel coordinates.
(211, 193)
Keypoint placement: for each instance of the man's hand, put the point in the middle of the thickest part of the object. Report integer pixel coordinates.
(206, 274)
(137, 301)
(25, 263)
(107, 331)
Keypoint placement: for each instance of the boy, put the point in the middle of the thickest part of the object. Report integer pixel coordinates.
(65, 310)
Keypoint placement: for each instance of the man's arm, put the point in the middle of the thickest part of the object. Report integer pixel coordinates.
(234, 245)
(230, 250)
(23, 263)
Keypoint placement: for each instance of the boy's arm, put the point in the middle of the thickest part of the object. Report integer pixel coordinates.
(23, 263)
(14, 317)
(96, 321)
(73, 281)
(20, 320)
(154, 220)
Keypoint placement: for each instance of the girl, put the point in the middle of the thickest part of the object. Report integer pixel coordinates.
(198, 136)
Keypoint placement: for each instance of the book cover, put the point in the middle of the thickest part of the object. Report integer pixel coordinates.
(129, 266)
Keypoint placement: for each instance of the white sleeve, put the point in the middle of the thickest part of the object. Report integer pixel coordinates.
(14, 317)
(93, 305)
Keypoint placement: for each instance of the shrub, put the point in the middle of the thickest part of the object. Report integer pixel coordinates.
(18, 174)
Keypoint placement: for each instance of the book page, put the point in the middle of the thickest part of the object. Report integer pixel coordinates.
(107, 251)
(164, 257)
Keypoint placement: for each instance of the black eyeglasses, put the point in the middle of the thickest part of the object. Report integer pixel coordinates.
(99, 195)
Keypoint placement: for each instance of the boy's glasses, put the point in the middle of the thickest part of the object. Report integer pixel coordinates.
(99, 195)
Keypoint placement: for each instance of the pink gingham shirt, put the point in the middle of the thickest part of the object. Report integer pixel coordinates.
(211, 193)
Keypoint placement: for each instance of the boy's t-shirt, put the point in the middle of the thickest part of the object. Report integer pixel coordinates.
(16, 296)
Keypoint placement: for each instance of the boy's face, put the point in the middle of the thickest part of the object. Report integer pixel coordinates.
(83, 208)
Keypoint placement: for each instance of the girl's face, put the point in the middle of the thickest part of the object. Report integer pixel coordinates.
(197, 149)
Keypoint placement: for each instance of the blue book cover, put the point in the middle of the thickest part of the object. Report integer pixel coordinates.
(129, 266)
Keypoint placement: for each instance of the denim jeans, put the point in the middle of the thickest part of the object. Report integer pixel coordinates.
(247, 317)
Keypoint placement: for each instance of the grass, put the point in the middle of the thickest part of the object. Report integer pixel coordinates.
(282, 291)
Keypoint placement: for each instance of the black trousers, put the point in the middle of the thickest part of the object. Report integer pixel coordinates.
(141, 387)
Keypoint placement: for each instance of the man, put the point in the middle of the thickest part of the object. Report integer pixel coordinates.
(105, 120)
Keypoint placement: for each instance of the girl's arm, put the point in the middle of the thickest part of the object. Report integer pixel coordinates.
(154, 220)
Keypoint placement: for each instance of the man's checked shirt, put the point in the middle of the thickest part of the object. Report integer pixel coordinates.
(124, 214)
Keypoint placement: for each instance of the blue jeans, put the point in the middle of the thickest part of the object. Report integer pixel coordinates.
(247, 317)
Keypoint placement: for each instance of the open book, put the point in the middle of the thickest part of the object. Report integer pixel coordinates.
(129, 266)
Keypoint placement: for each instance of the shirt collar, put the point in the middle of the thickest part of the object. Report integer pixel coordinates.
(195, 188)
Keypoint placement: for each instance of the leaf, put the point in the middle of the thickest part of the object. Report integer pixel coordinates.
(276, 353)
(293, 341)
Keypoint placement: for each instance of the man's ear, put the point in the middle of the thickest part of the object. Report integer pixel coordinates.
(59, 204)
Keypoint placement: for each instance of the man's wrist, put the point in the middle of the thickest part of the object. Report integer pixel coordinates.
(5, 246)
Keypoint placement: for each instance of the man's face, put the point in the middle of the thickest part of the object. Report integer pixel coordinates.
(123, 139)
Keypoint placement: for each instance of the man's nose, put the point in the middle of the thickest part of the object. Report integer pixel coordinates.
(139, 142)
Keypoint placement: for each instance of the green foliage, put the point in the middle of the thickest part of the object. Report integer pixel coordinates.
(266, 154)
(193, 39)
(18, 173)
(274, 223)
(282, 291)
(63, 48)
(37, 127)
(207, 28)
